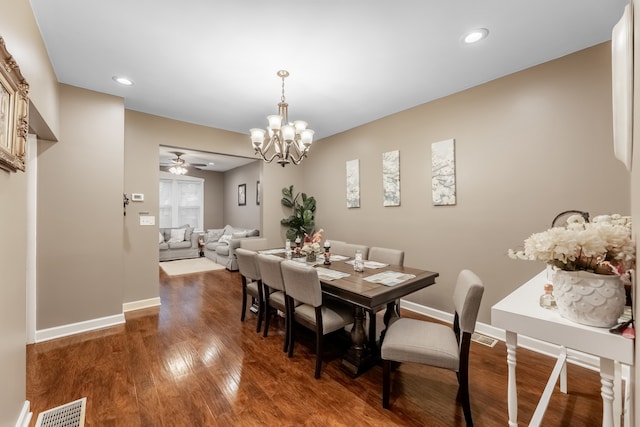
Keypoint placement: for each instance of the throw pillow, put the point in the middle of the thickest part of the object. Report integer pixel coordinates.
(177, 235)
(161, 237)
(226, 238)
(214, 235)
(188, 231)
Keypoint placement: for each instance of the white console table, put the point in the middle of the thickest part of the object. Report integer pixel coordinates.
(520, 314)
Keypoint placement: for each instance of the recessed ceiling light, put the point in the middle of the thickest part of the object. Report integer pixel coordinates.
(476, 35)
(122, 80)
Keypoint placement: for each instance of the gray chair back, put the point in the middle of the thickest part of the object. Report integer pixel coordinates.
(254, 243)
(270, 271)
(302, 283)
(467, 297)
(247, 263)
(348, 249)
(386, 255)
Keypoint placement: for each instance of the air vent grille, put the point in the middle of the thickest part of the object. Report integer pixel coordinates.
(67, 415)
(483, 339)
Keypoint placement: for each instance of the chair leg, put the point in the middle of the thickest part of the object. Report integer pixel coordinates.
(464, 398)
(319, 351)
(287, 325)
(292, 323)
(260, 306)
(463, 378)
(386, 382)
(244, 299)
(266, 312)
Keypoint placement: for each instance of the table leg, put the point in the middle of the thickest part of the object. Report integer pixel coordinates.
(606, 391)
(512, 343)
(359, 357)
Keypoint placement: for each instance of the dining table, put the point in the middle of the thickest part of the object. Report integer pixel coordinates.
(376, 287)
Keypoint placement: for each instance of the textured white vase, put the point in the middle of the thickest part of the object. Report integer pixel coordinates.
(588, 298)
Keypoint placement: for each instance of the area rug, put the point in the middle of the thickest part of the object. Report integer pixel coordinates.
(189, 266)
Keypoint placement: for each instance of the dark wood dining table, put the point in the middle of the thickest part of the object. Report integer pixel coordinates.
(369, 297)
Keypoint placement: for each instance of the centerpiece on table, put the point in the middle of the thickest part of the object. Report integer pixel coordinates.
(591, 263)
(311, 246)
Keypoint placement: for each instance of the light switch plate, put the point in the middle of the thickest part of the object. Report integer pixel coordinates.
(147, 220)
(137, 197)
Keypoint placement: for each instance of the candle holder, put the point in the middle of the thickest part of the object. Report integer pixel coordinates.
(327, 254)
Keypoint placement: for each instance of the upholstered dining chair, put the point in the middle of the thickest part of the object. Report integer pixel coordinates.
(386, 255)
(251, 282)
(348, 249)
(303, 288)
(274, 292)
(435, 344)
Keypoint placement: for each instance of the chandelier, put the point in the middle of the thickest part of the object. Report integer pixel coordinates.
(284, 141)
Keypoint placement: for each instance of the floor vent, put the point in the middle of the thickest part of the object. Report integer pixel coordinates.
(68, 415)
(483, 339)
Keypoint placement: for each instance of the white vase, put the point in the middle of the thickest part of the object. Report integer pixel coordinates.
(588, 298)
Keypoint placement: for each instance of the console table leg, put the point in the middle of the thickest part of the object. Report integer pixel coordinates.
(606, 391)
(512, 343)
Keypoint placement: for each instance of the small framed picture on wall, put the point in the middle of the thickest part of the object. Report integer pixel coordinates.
(258, 193)
(242, 194)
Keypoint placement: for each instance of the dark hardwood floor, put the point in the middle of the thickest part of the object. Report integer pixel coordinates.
(191, 362)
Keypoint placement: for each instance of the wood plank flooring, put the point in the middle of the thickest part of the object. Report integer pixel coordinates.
(191, 362)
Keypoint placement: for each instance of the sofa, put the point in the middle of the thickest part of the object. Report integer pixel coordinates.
(178, 243)
(220, 244)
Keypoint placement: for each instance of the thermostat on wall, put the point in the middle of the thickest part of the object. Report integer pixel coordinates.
(137, 197)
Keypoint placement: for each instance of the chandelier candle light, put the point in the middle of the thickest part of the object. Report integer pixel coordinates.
(284, 141)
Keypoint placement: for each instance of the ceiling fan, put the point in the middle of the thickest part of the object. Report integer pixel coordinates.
(178, 166)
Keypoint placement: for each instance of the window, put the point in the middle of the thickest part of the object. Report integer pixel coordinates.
(181, 202)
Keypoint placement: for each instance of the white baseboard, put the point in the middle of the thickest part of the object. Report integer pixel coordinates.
(76, 328)
(25, 415)
(578, 358)
(139, 305)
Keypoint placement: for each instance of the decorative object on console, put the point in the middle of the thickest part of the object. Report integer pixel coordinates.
(301, 221)
(443, 173)
(290, 141)
(592, 261)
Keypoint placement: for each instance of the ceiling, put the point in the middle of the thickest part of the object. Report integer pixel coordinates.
(214, 63)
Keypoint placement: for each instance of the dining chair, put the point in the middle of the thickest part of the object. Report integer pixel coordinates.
(435, 344)
(348, 249)
(251, 282)
(386, 255)
(322, 316)
(274, 292)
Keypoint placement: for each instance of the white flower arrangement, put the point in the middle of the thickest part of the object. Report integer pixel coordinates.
(311, 247)
(602, 246)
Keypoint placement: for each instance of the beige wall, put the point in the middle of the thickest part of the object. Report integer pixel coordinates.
(80, 217)
(528, 146)
(144, 133)
(247, 216)
(22, 38)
